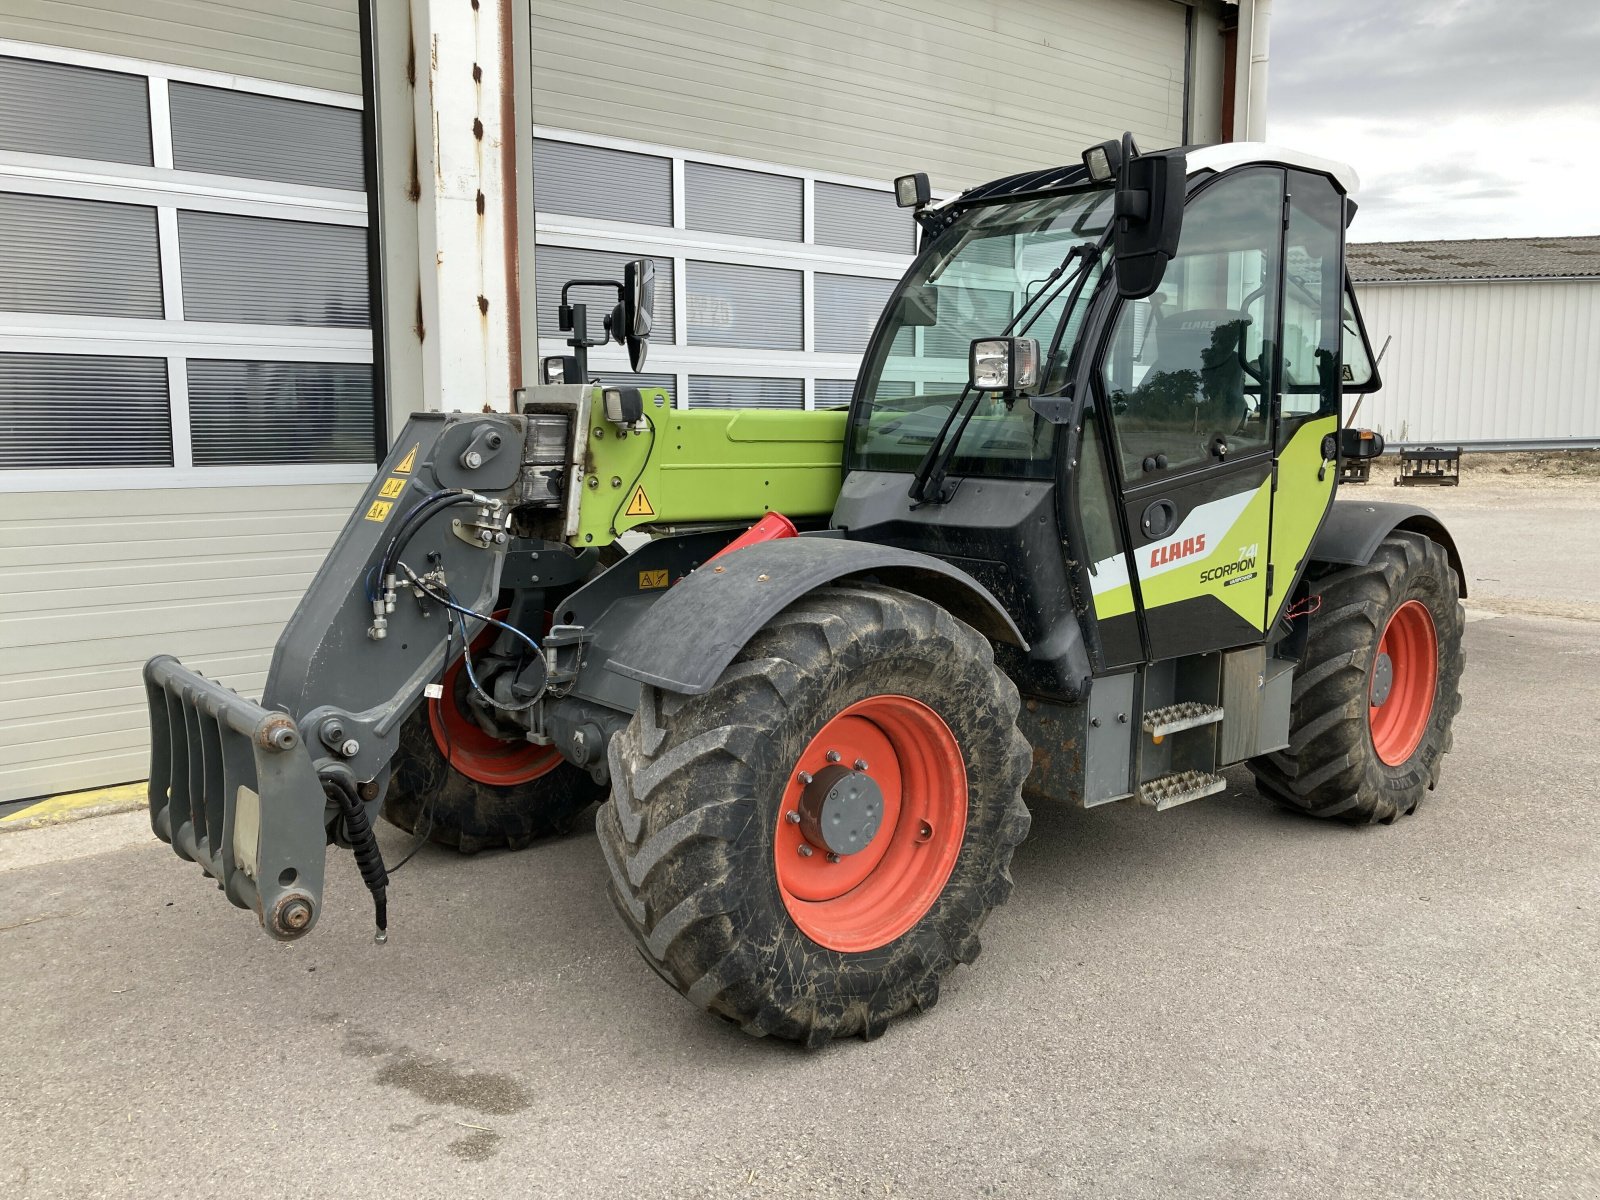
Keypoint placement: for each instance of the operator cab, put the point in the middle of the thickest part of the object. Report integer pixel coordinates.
(1086, 384)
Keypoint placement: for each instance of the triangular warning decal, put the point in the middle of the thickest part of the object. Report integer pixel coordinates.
(639, 506)
(409, 462)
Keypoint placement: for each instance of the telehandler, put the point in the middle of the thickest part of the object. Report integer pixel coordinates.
(1075, 540)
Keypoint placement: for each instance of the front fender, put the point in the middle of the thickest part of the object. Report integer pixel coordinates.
(1353, 530)
(689, 636)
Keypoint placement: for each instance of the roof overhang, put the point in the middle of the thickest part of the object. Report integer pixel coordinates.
(1237, 154)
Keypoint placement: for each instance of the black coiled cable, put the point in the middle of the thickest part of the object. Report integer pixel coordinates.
(364, 845)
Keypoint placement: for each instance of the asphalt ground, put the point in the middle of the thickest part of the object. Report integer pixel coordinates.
(1221, 1000)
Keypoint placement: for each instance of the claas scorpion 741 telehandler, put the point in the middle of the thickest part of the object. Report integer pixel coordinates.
(1074, 540)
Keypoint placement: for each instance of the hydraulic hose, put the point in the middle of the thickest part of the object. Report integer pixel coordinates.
(364, 845)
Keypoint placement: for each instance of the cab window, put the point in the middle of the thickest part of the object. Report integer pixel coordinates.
(1187, 374)
(1311, 303)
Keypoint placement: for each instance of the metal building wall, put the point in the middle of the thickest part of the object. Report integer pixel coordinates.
(308, 42)
(964, 89)
(1495, 364)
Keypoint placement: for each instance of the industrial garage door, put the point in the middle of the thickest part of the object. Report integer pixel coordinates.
(187, 404)
(748, 149)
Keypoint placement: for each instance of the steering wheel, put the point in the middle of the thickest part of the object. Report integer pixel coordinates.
(1244, 311)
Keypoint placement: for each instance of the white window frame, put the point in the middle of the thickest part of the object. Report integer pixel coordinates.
(168, 190)
(681, 245)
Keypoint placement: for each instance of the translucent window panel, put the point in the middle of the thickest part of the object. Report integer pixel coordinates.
(265, 272)
(626, 379)
(832, 393)
(743, 203)
(757, 308)
(246, 134)
(82, 257)
(553, 266)
(82, 410)
(74, 112)
(610, 185)
(848, 308)
(280, 412)
(733, 391)
(862, 219)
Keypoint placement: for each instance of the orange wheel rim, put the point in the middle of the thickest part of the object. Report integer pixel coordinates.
(1405, 676)
(904, 753)
(473, 750)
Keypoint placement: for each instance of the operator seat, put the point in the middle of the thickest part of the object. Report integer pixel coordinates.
(1210, 343)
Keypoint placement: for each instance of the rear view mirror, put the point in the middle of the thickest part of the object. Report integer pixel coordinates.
(637, 308)
(1148, 217)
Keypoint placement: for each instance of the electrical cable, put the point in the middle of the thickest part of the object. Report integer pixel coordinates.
(627, 495)
(364, 845)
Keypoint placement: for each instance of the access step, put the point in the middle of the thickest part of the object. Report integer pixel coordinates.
(1175, 718)
(1169, 791)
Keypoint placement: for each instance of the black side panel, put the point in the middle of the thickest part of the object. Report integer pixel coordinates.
(688, 636)
(1005, 534)
(1353, 530)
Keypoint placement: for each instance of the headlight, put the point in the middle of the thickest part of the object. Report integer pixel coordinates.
(1004, 365)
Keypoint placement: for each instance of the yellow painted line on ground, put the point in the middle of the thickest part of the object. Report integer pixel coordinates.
(70, 806)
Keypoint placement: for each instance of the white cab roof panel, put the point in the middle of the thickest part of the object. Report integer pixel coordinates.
(1237, 154)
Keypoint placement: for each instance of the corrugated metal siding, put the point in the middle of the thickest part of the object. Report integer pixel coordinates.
(1485, 362)
(314, 43)
(866, 87)
(265, 137)
(74, 112)
(863, 219)
(81, 257)
(94, 583)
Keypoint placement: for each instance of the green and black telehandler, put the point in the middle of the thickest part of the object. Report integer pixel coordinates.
(1074, 540)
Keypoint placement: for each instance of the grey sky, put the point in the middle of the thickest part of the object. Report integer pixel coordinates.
(1464, 118)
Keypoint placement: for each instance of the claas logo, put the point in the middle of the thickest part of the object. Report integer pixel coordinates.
(1173, 551)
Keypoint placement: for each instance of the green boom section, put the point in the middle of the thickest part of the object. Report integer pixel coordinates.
(687, 466)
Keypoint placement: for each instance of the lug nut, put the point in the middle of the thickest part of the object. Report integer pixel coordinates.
(861, 764)
(792, 817)
(832, 857)
(805, 850)
(834, 756)
(805, 777)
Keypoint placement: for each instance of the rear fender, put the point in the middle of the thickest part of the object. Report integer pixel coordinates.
(689, 636)
(1353, 531)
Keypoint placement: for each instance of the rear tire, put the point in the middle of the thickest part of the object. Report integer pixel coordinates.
(698, 846)
(1348, 758)
(426, 793)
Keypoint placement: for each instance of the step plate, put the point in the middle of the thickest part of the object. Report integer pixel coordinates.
(1169, 791)
(1175, 718)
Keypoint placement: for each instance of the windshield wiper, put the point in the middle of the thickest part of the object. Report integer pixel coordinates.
(927, 485)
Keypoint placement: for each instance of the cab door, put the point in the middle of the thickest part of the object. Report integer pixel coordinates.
(1311, 371)
(1188, 379)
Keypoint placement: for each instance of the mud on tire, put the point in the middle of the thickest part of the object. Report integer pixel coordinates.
(697, 788)
(469, 816)
(1331, 767)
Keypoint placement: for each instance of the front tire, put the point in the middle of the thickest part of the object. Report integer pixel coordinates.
(1379, 688)
(706, 845)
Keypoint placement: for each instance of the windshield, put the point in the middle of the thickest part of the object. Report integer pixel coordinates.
(996, 265)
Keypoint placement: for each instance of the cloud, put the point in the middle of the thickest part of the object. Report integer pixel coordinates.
(1428, 58)
(1464, 118)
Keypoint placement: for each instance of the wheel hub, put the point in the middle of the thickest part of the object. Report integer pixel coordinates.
(1382, 679)
(841, 810)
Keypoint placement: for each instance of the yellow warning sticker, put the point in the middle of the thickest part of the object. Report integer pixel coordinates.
(379, 511)
(639, 506)
(649, 580)
(391, 488)
(409, 462)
